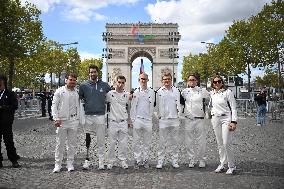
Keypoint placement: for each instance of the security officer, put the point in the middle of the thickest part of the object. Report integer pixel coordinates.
(8, 106)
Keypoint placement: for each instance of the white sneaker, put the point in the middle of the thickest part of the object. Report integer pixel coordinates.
(86, 164)
(220, 169)
(109, 166)
(175, 165)
(202, 164)
(101, 166)
(191, 164)
(259, 125)
(231, 170)
(124, 165)
(159, 165)
(57, 168)
(70, 168)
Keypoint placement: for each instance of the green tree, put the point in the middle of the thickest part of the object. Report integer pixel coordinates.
(20, 33)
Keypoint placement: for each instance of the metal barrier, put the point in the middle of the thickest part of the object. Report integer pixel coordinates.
(246, 107)
(277, 110)
(28, 107)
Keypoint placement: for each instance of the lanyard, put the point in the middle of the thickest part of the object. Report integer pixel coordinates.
(2, 94)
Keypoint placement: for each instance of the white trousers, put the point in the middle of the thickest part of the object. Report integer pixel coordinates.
(95, 124)
(118, 133)
(142, 136)
(168, 136)
(195, 132)
(67, 132)
(224, 139)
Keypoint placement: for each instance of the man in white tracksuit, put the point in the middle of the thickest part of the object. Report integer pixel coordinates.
(141, 114)
(168, 102)
(195, 125)
(118, 123)
(65, 111)
(224, 121)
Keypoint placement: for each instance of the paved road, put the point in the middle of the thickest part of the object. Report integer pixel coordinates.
(259, 154)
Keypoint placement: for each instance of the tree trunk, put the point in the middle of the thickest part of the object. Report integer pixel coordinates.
(11, 72)
(51, 82)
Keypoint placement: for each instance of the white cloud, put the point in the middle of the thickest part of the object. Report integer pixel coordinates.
(86, 55)
(100, 17)
(80, 10)
(202, 20)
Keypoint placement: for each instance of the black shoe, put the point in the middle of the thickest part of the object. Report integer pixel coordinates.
(1, 164)
(15, 164)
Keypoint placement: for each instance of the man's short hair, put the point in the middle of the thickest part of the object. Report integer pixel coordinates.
(93, 66)
(71, 74)
(166, 74)
(120, 77)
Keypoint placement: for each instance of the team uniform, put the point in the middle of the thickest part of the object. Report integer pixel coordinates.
(168, 102)
(118, 127)
(65, 107)
(223, 113)
(141, 114)
(195, 125)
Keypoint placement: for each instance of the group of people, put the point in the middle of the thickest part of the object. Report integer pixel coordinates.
(96, 103)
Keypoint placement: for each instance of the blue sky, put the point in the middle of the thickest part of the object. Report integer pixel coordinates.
(67, 21)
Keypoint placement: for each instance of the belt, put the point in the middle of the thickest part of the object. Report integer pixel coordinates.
(117, 121)
(73, 115)
(194, 117)
(218, 115)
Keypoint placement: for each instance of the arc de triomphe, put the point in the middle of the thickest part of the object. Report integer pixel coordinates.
(126, 42)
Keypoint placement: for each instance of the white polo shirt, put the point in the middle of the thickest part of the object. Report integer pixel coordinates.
(118, 104)
(143, 106)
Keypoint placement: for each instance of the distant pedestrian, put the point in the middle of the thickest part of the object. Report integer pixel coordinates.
(141, 114)
(65, 112)
(118, 123)
(224, 121)
(43, 98)
(195, 125)
(168, 106)
(260, 99)
(49, 104)
(93, 94)
(8, 106)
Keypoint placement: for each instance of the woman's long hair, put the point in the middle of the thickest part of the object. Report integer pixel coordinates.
(219, 77)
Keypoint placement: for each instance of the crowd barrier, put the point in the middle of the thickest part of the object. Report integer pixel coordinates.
(28, 107)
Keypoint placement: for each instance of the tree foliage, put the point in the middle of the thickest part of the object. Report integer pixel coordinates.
(20, 34)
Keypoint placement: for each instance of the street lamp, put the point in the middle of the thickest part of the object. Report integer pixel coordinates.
(107, 36)
(208, 46)
(173, 52)
(67, 44)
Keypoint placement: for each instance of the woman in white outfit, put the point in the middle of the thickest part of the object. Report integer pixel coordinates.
(224, 121)
(195, 125)
(65, 111)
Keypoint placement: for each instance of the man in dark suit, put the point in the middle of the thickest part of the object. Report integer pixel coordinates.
(8, 106)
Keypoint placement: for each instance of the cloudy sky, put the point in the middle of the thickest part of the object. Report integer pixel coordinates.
(84, 21)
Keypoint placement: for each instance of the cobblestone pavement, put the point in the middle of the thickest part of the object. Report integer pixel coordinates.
(259, 153)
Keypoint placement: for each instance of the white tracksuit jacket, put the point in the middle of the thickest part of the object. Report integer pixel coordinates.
(168, 126)
(142, 126)
(195, 128)
(223, 112)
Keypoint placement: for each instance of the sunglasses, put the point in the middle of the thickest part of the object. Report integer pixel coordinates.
(191, 80)
(143, 78)
(218, 81)
(120, 82)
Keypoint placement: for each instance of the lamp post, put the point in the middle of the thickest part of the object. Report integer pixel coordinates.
(107, 36)
(173, 52)
(208, 46)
